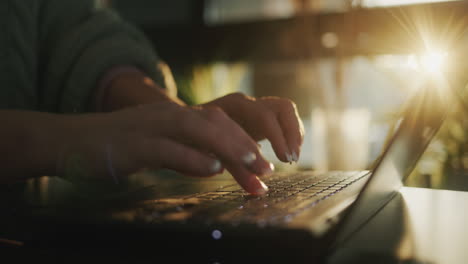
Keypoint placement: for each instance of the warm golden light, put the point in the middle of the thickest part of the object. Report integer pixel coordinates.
(432, 68)
(430, 62)
(433, 61)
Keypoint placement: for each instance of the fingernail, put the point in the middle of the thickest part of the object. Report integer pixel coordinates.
(249, 158)
(295, 158)
(288, 157)
(269, 170)
(216, 166)
(263, 189)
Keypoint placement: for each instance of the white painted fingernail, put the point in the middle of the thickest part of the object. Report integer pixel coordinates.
(288, 157)
(216, 166)
(295, 158)
(249, 158)
(272, 167)
(268, 171)
(263, 189)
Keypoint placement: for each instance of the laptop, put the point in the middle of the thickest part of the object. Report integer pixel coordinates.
(304, 217)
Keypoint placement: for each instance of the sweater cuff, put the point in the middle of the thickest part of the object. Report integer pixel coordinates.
(106, 80)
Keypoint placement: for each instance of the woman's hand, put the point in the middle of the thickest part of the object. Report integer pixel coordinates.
(197, 141)
(273, 118)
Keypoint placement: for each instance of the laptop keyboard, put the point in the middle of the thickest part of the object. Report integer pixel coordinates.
(288, 195)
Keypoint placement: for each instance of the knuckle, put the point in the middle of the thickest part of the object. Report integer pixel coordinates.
(215, 114)
(239, 96)
(280, 104)
(266, 117)
(287, 104)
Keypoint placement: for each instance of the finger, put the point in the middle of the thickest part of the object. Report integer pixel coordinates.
(292, 126)
(250, 156)
(184, 159)
(247, 180)
(208, 175)
(269, 126)
(260, 120)
(213, 131)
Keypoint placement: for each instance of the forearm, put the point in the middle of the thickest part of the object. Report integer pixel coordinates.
(29, 144)
(131, 89)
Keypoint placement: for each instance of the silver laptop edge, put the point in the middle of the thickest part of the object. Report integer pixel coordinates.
(422, 119)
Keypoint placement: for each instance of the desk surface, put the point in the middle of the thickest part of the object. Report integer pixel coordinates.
(418, 226)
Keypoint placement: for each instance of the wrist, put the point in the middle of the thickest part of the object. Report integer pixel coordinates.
(132, 88)
(78, 151)
(30, 142)
(48, 137)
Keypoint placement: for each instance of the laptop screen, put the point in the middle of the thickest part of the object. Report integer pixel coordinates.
(421, 118)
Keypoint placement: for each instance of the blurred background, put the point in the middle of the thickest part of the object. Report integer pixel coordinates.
(348, 64)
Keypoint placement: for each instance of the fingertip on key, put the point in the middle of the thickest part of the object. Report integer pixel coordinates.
(263, 189)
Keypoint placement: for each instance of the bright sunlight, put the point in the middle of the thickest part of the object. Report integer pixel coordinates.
(431, 62)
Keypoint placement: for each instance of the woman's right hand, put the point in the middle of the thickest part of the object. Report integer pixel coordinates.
(197, 141)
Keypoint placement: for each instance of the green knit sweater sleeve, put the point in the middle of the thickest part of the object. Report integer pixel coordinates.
(79, 42)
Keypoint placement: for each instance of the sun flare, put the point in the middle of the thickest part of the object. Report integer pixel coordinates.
(433, 61)
(430, 62)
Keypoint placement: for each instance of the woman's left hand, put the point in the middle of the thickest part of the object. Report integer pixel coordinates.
(273, 118)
